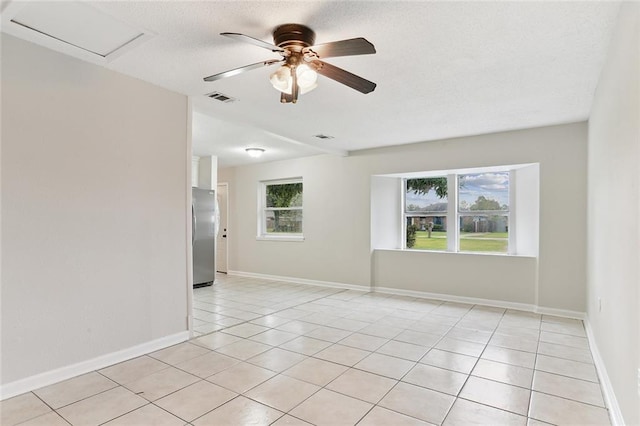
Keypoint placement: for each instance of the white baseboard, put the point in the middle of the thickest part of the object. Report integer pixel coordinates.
(610, 400)
(422, 294)
(560, 312)
(50, 377)
(458, 299)
(487, 302)
(299, 280)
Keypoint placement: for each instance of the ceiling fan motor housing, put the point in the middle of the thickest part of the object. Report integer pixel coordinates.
(294, 37)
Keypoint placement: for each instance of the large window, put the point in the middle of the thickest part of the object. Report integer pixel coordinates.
(281, 209)
(460, 212)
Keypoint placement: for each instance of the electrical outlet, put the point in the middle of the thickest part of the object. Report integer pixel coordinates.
(599, 304)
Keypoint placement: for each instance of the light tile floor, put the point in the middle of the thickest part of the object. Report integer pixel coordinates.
(279, 353)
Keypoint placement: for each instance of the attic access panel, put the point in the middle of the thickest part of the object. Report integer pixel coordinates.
(69, 26)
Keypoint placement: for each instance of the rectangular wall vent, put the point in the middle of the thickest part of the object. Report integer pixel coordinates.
(220, 97)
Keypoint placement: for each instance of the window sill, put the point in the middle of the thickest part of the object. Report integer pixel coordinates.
(287, 238)
(459, 253)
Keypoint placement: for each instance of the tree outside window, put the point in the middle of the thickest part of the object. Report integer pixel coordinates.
(282, 207)
(426, 208)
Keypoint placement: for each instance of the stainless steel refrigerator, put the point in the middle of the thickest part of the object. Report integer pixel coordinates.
(203, 236)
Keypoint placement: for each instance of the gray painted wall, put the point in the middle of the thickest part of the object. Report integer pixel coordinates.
(337, 218)
(614, 213)
(94, 193)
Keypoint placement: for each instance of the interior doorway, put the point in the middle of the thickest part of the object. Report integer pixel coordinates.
(221, 242)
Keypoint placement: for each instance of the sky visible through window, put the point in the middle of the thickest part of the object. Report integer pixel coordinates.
(422, 201)
(493, 186)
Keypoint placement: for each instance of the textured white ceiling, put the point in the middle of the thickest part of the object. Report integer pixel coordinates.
(443, 69)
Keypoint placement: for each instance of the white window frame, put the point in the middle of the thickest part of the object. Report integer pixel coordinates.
(453, 214)
(263, 209)
(508, 213)
(405, 215)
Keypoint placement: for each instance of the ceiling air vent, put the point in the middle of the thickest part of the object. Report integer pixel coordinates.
(321, 136)
(220, 97)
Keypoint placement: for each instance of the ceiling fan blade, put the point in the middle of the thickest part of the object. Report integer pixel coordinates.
(354, 46)
(240, 70)
(254, 41)
(344, 77)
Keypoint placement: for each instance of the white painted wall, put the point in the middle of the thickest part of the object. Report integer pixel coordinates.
(337, 207)
(195, 171)
(208, 172)
(94, 194)
(614, 212)
(386, 212)
(487, 277)
(336, 230)
(527, 208)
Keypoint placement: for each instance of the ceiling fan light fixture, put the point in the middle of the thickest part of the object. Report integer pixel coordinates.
(282, 81)
(255, 152)
(307, 76)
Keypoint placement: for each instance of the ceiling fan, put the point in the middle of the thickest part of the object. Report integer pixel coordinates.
(301, 61)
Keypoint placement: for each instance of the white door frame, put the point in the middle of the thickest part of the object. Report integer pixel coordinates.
(187, 211)
(224, 230)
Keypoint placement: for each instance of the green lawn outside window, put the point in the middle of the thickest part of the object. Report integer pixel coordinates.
(488, 242)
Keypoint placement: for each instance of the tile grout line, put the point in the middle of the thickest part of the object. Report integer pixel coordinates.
(474, 366)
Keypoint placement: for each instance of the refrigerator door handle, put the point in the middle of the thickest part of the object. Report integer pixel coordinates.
(193, 225)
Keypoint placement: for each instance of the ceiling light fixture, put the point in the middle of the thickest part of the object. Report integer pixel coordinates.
(304, 76)
(254, 152)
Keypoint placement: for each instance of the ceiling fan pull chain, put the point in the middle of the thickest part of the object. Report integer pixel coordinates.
(294, 84)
